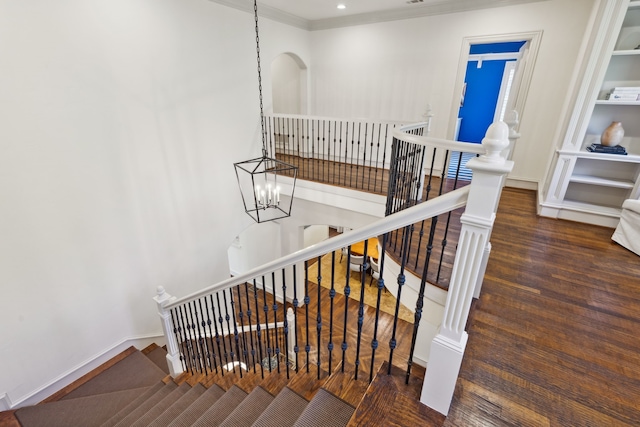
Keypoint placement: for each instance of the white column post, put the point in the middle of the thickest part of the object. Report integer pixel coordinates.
(173, 355)
(447, 348)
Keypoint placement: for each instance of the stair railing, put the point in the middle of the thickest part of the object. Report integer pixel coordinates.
(347, 153)
(220, 328)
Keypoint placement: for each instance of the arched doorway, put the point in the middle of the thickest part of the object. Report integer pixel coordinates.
(289, 84)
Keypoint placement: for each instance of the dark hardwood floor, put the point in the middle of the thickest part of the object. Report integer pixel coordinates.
(553, 338)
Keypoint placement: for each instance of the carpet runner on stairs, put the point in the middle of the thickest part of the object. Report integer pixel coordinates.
(137, 392)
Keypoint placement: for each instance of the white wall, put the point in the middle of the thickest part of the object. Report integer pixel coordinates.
(119, 124)
(392, 70)
(286, 85)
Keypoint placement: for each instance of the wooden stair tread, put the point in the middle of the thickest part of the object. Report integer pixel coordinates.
(389, 398)
(148, 349)
(307, 384)
(8, 419)
(345, 387)
(275, 382)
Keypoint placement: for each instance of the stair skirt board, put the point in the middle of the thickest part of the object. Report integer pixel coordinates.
(190, 415)
(220, 410)
(285, 409)
(323, 406)
(84, 411)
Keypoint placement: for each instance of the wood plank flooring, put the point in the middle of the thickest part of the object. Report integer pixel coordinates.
(553, 339)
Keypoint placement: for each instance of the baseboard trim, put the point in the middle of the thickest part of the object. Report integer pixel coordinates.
(75, 373)
(5, 402)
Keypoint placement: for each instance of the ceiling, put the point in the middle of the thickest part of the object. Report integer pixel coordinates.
(313, 10)
(324, 14)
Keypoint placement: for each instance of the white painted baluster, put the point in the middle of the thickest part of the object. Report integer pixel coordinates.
(291, 336)
(173, 355)
(447, 348)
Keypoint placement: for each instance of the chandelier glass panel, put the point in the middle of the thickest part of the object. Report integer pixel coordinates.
(260, 180)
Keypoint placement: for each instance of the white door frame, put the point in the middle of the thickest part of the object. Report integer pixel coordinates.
(519, 98)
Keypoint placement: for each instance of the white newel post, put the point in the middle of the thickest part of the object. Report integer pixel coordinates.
(447, 348)
(511, 119)
(173, 355)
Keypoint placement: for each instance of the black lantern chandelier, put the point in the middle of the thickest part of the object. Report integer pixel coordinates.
(258, 178)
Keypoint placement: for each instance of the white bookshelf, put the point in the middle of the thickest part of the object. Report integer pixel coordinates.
(591, 187)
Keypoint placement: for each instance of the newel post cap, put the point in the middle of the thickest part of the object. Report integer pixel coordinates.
(162, 297)
(496, 139)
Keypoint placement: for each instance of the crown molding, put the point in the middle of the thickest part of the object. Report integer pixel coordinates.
(413, 11)
(267, 12)
(440, 7)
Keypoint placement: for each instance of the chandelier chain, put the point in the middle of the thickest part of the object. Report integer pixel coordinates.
(264, 145)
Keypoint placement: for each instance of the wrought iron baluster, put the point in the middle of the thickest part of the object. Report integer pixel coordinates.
(319, 314)
(215, 326)
(258, 328)
(236, 338)
(446, 227)
(211, 346)
(363, 269)
(353, 131)
(358, 185)
(324, 151)
(347, 292)
(401, 281)
(194, 340)
(313, 150)
(295, 314)
(202, 338)
(377, 163)
(426, 197)
(374, 341)
(274, 307)
(420, 302)
(227, 318)
(245, 351)
(332, 295)
(177, 332)
(340, 154)
(186, 341)
(333, 160)
(265, 308)
(393, 178)
(286, 322)
(224, 342)
(373, 130)
(307, 347)
(253, 349)
(384, 155)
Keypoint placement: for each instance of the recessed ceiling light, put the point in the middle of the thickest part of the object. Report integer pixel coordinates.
(341, 6)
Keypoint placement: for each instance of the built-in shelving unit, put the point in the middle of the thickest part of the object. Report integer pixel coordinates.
(587, 186)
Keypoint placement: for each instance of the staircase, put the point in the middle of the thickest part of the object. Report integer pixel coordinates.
(134, 389)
